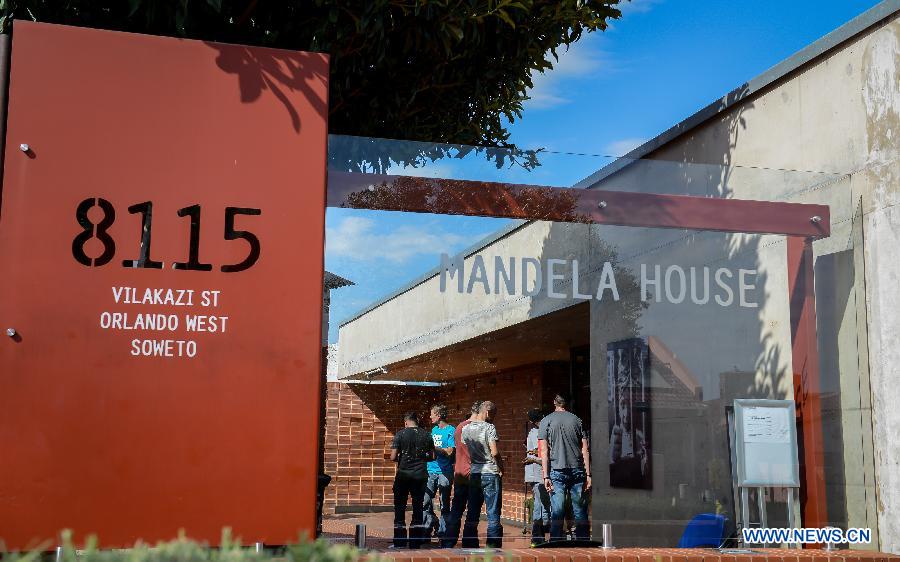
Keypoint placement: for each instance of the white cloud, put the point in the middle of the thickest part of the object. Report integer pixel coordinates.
(622, 147)
(426, 171)
(636, 6)
(542, 97)
(359, 238)
(580, 60)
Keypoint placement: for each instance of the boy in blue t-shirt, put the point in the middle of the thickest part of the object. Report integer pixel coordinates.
(440, 470)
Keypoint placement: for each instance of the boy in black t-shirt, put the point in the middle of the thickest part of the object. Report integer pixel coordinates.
(411, 449)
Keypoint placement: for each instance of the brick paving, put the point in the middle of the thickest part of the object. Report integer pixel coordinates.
(379, 530)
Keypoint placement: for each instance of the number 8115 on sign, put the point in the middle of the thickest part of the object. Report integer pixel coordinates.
(145, 209)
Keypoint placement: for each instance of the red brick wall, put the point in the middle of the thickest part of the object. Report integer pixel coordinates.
(361, 420)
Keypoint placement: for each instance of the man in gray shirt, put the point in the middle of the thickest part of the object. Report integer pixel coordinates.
(565, 464)
(485, 488)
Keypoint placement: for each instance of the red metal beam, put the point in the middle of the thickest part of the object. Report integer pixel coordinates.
(531, 202)
(807, 383)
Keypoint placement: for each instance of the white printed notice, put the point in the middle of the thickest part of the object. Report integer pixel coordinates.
(169, 333)
(767, 425)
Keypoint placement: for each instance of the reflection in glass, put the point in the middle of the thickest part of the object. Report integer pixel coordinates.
(652, 333)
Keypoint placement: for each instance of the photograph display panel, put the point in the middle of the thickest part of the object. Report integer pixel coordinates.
(628, 408)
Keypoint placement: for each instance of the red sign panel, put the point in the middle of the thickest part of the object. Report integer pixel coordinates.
(161, 235)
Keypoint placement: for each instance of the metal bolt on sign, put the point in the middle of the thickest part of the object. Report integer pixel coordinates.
(11, 332)
(24, 147)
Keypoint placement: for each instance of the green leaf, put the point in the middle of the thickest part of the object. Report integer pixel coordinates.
(455, 30)
(505, 17)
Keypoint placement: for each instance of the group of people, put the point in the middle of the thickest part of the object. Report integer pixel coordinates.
(464, 462)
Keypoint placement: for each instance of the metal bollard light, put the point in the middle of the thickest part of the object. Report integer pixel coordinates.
(607, 536)
(259, 547)
(360, 536)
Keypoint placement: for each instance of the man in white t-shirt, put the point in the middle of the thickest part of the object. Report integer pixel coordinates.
(485, 481)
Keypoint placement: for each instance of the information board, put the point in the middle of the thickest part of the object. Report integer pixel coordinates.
(766, 443)
(161, 234)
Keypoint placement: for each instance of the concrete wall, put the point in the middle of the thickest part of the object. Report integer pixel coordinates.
(880, 191)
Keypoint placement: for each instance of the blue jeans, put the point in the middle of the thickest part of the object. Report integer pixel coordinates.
(487, 490)
(457, 507)
(437, 484)
(571, 481)
(540, 514)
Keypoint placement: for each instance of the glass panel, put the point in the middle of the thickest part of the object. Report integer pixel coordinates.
(650, 334)
(843, 353)
(659, 174)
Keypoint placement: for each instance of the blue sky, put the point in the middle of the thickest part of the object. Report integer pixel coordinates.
(660, 63)
(663, 61)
